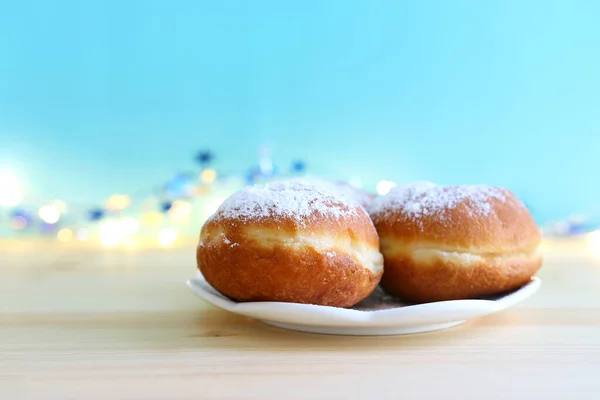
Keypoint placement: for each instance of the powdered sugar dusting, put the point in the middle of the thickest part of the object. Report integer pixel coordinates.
(340, 188)
(227, 241)
(285, 200)
(425, 199)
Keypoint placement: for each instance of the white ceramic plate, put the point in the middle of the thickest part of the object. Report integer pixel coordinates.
(379, 314)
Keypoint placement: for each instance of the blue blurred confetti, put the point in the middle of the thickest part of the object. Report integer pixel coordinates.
(96, 215)
(204, 157)
(298, 166)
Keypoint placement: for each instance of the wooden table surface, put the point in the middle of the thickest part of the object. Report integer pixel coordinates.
(121, 324)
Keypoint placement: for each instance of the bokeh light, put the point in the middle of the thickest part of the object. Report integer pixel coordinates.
(167, 236)
(49, 214)
(593, 242)
(118, 202)
(82, 234)
(60, 205)
(384, 187)
(152, 219)
(64, 235)
(130, 241)
(18, 222)
(10, 189)
(180, 211)
(209, 175)
(130, 226)
(111, 233)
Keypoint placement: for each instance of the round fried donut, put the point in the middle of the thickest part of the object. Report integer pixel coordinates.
(454, 242)
(289, 242)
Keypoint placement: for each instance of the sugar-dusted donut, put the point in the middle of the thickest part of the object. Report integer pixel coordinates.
(454, 242)
(291, 242)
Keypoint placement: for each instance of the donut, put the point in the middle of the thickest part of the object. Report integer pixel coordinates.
(289, 242)
(454, 242)
(341, 188)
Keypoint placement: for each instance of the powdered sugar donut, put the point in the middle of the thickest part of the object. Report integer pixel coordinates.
(288, 242)
(454, 242)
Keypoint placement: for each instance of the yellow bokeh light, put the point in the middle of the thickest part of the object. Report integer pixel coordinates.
(201, 190)
(111, 233)
(49, 214)
(209, 175)
(384, 187)
(60, 205)
(130, 241)
(82, 234)
(167, 236)
(593, 242)
(118, 202)
(180, 211)
(152, 219)
(130, 226)
(10, 190)
(64, 235)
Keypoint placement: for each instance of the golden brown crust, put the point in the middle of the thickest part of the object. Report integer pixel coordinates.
(508, 226)
(357, 227)
(469, 242)
(251, 272)
(326, 255)
(442, 280)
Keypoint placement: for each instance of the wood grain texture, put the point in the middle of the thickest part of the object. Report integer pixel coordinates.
(99, 324)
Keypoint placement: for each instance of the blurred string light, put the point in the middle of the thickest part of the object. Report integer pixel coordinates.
(96, 215)
(180, 211)
(298, 166)
(110, 233)
(82, 234)
(64, 235)
(265, 162)
(593, 242)
(130, 226)
(574, 226)
(182, 185)
(204, 157)
(202, 190)
(118, 202)
(166, 206)
(60, 205)
(167, 236)
(208, 176)
(152, 219)
(130, 241)
(10, 189)
(384, 187)
(114, 232)
(168, 202)
(49, 214)
(18, 222)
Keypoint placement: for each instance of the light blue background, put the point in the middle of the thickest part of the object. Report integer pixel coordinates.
(98, 97)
